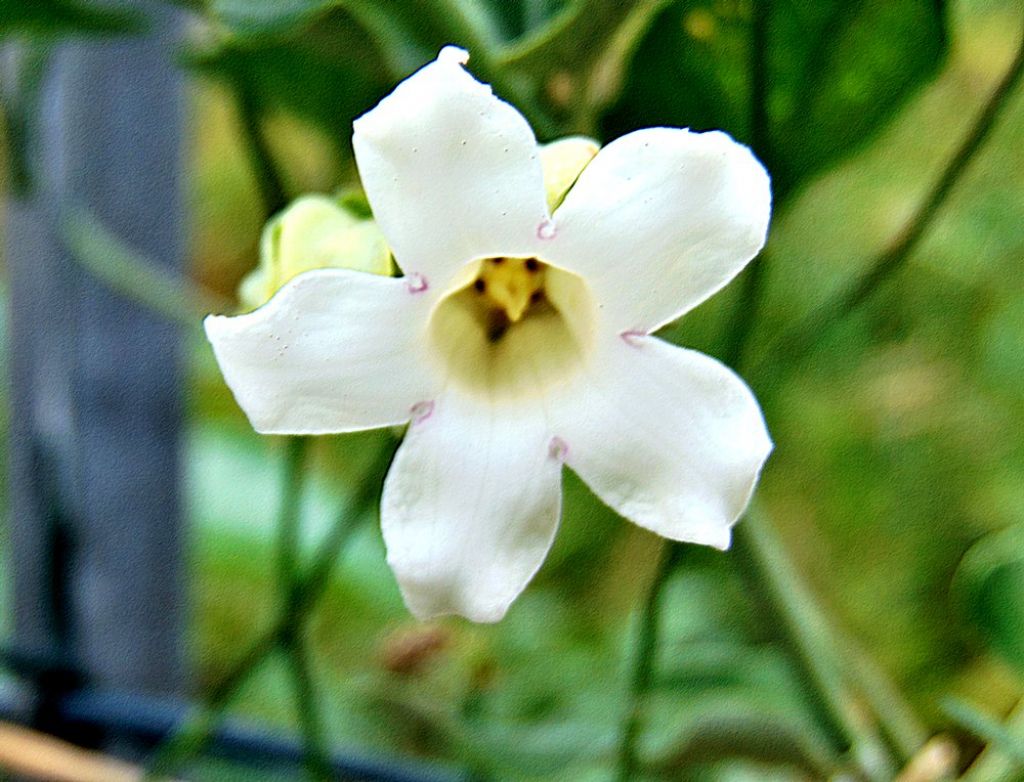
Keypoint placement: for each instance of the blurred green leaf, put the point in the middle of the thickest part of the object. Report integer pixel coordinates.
(523, 18)
(404, 34)
(62, 17)
(253, 18)
(325, 75)
(327, 61)
(836, 73)
(990, 584)
(577, 60)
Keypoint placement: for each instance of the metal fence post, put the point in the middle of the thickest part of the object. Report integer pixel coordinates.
(95, 515)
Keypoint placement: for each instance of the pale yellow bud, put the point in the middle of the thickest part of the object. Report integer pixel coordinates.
(563, 161)
(313, 232)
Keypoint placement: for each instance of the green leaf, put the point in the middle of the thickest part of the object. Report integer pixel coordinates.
(406, 34)
(328, 61)
(327, 74)
(62, 17)
(577, 60)
(835, 73)
(255, 18)
(990, 585)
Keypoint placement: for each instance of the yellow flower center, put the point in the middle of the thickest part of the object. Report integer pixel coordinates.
(513, 327)
(510, 287)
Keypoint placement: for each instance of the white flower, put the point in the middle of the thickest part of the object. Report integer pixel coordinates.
(519, 340)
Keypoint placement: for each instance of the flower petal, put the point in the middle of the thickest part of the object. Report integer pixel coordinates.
(659, 221)
(670, 438)
(452, 173)
(334, 351)
(470, 508)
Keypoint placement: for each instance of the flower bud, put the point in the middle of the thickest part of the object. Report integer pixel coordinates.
(313, 232)
(563, 161)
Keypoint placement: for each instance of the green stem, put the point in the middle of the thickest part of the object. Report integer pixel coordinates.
(316, 749)
(896, 717)
(22, 112)
(268, 180)
(995, 764)
(642, 671)
(797, 343)
(103, 255)
(752, 281)
(319, 573)
(192, 737)
(194, 734)
(295, 458)
(800, 620)
(293, 639)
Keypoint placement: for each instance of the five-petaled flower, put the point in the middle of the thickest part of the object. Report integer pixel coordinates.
(519, 339)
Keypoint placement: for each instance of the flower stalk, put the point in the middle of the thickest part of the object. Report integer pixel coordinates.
(645, 649)
(196, 732)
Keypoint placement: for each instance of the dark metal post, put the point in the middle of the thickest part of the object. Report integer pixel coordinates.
(95, 522)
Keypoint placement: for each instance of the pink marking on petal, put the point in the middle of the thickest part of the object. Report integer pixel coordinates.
(546, 230)
(416, 283)
(558, 449)
(421, 411)
(633, 337)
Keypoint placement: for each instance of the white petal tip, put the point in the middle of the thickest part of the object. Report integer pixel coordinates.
(213, 323)
(453, 55)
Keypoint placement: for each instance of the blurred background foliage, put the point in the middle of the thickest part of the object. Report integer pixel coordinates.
(896, 486)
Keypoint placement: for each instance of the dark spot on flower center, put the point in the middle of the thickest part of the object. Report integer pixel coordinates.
(497, 325)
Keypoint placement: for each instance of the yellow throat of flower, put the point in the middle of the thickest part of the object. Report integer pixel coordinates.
(511, 285)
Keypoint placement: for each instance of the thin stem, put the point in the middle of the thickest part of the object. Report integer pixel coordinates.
(748, 307)
(293, 639)
(194, 734)
(326, 557)
(124, 270)
(316, 749)
(192, 737)
(995, 764)
(22, 110)
(650, 615)
(642, 671)
(986, 727)
(896, 717)
(791, 608)
(809, 333)
(752, 282)
(268, 180)
(296, 453)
